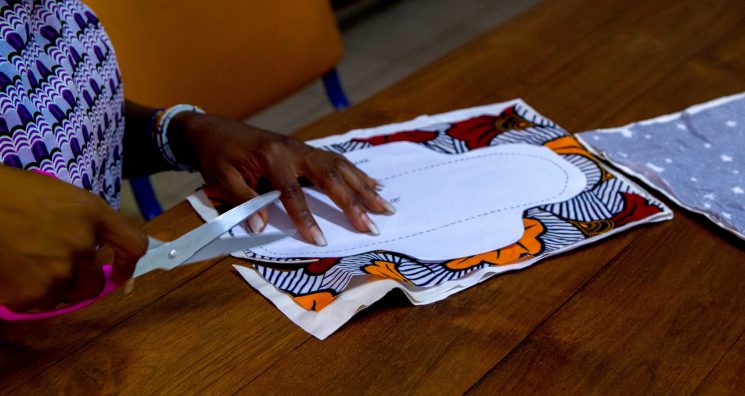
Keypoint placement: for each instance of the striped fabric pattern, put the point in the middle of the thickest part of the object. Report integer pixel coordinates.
(607, 203)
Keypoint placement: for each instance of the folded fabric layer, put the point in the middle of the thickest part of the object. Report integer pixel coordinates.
(321, 295)
(695, 157)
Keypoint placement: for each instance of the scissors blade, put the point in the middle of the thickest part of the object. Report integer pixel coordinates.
(223, 247)
(172, 254)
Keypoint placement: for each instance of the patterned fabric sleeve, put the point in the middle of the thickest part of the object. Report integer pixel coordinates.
(61, 97)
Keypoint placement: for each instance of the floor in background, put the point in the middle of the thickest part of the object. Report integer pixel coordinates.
(383, 43)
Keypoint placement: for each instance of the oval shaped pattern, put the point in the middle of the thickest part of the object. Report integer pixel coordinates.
(448, 206)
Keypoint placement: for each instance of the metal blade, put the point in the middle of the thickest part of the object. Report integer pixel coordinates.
(223, 247)
(172, 254)
(146, 263)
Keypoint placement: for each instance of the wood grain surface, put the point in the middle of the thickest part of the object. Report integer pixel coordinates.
(659, 309)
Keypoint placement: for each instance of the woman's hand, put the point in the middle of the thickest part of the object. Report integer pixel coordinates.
(234, 157)
(48, 239)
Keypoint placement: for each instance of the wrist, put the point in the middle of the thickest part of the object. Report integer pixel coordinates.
(179, 136)
(172, 133)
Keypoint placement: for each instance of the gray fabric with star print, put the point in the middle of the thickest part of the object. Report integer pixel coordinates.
(696, 157)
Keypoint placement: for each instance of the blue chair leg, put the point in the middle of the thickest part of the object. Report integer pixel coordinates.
(334, 91)
(145, 197)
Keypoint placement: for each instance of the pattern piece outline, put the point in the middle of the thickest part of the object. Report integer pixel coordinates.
(465, 219)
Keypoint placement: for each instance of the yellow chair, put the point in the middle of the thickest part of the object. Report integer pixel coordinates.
(229, 57)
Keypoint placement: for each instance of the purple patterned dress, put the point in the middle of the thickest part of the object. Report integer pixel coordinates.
(61, 98)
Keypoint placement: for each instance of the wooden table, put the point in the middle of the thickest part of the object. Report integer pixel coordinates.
(659, 309)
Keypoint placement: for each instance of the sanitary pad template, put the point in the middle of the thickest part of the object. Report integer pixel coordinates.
(447, 207)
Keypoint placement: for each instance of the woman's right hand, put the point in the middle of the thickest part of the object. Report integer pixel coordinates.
(49, 234)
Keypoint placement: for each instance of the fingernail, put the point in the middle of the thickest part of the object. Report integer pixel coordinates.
(129, 285)
(370, 224)
(256, 223)
(318, 237)
(387, 205)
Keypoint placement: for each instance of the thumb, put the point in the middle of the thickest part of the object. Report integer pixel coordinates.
(128, 241)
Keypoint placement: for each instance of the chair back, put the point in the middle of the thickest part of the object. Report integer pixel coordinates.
(230, 57)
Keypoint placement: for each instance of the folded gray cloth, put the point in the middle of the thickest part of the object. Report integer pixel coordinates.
(695, 157)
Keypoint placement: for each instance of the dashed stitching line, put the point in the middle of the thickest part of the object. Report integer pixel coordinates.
(527, 204)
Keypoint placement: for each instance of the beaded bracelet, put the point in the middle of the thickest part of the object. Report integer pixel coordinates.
(160, 133)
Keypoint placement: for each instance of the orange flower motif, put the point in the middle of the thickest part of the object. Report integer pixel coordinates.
(384, 269)
(569, 145)
(528, 245)
(315, 301)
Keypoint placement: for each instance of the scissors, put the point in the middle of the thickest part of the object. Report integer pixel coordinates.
(199, 244)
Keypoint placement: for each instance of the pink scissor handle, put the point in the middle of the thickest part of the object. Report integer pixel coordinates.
(109, 286)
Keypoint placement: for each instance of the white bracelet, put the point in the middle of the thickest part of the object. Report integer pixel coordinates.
(161, 134)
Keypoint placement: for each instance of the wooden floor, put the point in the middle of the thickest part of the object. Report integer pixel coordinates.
(657, 310)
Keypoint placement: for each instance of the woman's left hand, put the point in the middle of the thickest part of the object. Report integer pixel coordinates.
(233, 157)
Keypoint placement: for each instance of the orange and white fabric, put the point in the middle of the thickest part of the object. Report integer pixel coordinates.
(322, 294)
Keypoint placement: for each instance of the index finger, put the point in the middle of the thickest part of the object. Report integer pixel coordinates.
(283, 178)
